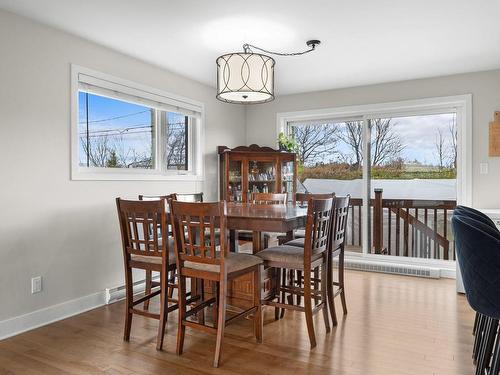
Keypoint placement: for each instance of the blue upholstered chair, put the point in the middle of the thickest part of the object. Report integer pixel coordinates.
(478, 253)
(474, 214)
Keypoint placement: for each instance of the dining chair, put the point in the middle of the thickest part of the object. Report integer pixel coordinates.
(295, 277)
(337, 250)
(479, 320)
(185, 197)
(147, 246)
(477, 246)
(198, 257)
(306, 259)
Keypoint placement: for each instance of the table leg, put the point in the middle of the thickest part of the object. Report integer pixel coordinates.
(232, 240)
(257, 241)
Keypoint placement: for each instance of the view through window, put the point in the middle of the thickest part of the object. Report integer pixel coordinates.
(118, 134)
(412, 172)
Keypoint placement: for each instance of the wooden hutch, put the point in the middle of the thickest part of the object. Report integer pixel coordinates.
(247, 169)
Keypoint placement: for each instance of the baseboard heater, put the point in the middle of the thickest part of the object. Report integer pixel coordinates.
(118, 293)
(385, 267)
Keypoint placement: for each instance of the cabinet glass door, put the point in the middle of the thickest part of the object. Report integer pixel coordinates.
(287, 169)
(235, 192)
(261, 177)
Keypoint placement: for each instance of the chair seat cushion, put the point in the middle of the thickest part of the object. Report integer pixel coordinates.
(296, 242)
(234, 262)
(155, 259)
(287, 255)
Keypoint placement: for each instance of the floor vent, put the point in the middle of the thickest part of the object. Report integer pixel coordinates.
(384, 267)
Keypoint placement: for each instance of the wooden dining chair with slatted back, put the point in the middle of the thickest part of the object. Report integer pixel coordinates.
(313, 255)
(295, 277)
(199, 257)
(143, 227)
(337, 249)
(185, 197)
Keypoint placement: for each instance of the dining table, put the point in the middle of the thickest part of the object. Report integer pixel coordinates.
(260, 218)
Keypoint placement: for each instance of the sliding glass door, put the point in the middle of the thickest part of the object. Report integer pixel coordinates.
(403, 198)
(412, 179)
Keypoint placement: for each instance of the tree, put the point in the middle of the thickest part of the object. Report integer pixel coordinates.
(452, 129)
(96, 150)
(386, 144)
(440, 147)
(315, 142)
(112, 161)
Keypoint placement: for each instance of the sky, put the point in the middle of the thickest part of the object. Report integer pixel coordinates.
(127, 125)
(417, 134)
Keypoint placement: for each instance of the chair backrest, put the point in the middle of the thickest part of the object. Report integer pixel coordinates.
(339, 222)
(195, 227)
(302, 198)
(183, 197)
(143, 225)
(318, 224)
(478, 253)
(269, 198)
(475, 214)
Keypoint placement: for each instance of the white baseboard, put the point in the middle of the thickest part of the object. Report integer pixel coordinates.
(22, 323)
(19, 324)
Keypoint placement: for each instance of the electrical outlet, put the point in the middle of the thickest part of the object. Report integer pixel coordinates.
(36, 284)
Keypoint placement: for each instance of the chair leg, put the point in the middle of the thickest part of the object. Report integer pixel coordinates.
(341, 281)
(316, 284)
(299, 284)
(329, 289)
(172, 281)
(147, 287)
(128, 303)
(487, 347)
(283, 294)
(163, 309)
(257, 322)
(181, 328)
(291, 282)
(495, 361)
(221, 320)
(277, 295)
(324, 297)
(477, 338)
(201, 293)
(308, 308)
(215, 306)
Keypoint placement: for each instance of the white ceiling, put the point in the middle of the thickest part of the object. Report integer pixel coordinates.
(364, 41)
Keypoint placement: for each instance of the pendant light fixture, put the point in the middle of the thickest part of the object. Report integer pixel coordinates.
(247, 77)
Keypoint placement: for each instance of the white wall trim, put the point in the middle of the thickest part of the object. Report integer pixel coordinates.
(22, 323)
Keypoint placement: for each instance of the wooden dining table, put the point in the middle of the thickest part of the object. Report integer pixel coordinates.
(260, 218)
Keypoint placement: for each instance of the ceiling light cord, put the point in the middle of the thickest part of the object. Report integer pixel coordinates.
(247, 48)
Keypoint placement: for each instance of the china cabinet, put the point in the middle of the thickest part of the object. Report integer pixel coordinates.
(247, 169)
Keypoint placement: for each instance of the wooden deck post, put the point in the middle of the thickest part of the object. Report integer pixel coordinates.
(378, 229)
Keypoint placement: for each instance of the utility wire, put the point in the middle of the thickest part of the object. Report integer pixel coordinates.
(115, 118)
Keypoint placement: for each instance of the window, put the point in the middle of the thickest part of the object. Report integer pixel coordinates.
(418, 171)
(122, 130)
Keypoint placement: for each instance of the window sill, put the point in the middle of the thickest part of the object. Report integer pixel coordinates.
(128, 176)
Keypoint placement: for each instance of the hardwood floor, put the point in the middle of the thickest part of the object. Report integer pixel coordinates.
(396, 325)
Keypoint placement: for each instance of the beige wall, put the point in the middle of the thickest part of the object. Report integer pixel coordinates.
(67, 230)
(484, 87)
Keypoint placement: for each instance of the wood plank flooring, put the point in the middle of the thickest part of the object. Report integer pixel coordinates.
(395, 325)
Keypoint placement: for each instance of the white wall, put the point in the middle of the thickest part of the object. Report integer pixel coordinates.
(63, 230)
(484, 87)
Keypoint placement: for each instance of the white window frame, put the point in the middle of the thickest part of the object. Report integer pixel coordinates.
(195, 170)
(461, 104)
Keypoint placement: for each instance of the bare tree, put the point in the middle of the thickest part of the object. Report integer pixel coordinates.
(176, 146)
(97, 150)
(386, 144)
(440, 145)
(452, 129)
(315, 142)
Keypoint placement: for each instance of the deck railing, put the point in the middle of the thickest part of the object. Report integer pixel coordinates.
(405, 227)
